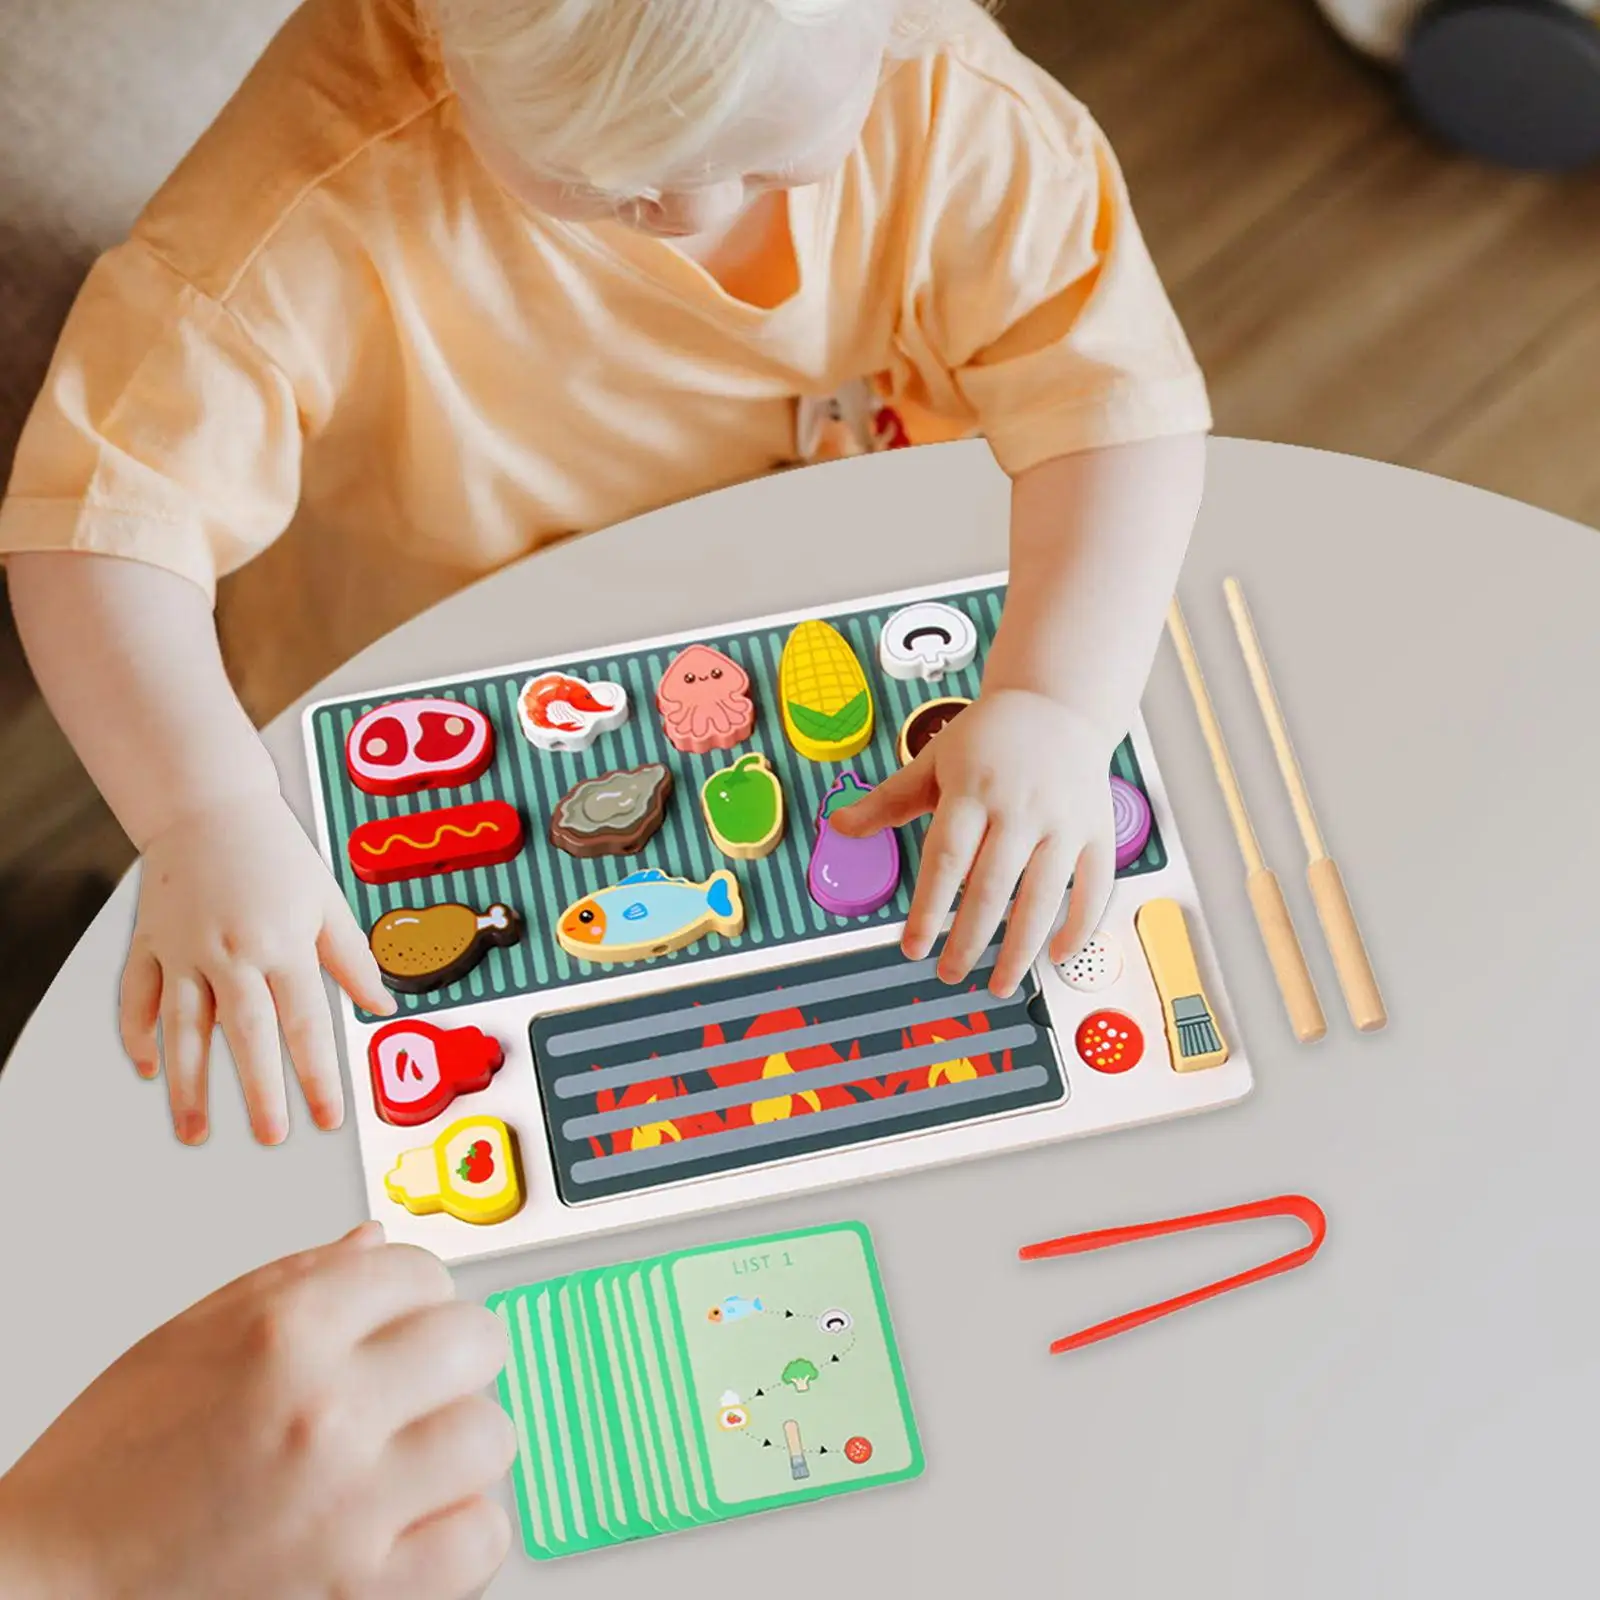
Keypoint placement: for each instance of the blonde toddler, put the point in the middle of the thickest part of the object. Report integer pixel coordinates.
(451, 279)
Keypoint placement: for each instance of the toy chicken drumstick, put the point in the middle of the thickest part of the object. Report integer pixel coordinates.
(1339, 926)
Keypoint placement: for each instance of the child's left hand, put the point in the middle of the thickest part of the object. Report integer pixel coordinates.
(1019, 789)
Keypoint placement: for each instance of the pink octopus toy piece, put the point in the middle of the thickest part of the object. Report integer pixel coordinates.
(704, 701)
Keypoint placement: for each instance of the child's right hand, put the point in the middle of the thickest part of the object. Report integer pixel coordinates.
(237, 914)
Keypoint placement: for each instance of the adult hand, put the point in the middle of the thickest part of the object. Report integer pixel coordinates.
(314, 1431)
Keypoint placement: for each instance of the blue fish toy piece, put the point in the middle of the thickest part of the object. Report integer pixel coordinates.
(649, 914)
(734, 1309)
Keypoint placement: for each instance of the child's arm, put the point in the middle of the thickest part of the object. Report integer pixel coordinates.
(236, 910)
(1018, 783)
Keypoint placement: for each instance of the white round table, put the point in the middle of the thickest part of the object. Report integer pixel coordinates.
(1408, 1416)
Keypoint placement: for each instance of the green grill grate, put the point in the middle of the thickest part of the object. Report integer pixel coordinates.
(543, 881)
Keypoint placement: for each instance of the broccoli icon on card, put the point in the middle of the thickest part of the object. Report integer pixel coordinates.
(799, 1375)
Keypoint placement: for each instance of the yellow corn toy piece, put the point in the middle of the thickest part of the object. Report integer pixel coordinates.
(827, 706)
(469, 1171)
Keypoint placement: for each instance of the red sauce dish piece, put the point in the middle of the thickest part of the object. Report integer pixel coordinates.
(450, 839)
(418, 744)
(1108, 1041)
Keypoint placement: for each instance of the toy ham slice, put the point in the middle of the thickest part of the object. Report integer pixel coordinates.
(418, 744)
(450, 839)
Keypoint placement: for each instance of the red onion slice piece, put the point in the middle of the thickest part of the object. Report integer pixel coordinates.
(1131, 813)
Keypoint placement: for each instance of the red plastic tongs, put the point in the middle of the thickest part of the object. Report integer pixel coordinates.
(1077, 1244)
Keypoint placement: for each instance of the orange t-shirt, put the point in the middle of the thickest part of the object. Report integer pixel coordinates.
(335, 343)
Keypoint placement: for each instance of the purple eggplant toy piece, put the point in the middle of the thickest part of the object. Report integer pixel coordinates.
(852, 877)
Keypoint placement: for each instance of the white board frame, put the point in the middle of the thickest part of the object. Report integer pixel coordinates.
(1095, 1103)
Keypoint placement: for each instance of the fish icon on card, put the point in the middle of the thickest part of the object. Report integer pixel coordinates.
(735, 1308)
(649, 914)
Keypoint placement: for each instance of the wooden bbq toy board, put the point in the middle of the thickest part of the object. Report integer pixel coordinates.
(571, 1134)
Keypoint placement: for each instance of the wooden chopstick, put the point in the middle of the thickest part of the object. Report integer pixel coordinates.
(1339, 926)
(1261, 883)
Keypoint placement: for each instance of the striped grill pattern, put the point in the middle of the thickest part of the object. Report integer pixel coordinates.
(764, 1067)
(542, 881)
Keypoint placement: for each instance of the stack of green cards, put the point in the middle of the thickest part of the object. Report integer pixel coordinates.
(702, 1385)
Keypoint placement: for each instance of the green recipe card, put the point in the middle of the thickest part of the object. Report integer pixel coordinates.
(702, 1385)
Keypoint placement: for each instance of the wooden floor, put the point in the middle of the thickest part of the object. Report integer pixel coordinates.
(1346, 284)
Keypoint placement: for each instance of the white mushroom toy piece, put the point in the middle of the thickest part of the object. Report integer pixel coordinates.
(927, 640)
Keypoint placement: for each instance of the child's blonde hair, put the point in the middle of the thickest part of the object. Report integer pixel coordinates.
(610, 92)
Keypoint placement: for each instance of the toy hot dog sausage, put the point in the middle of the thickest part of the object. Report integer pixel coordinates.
(447, 840)
(408, 745)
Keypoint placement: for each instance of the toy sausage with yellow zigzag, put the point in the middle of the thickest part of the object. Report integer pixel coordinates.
(447, 840)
